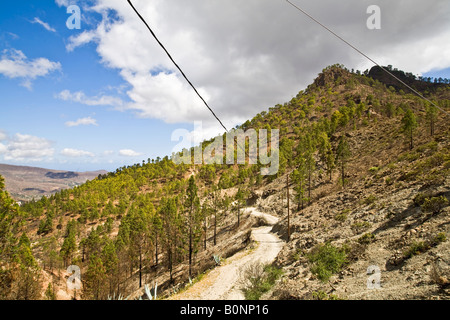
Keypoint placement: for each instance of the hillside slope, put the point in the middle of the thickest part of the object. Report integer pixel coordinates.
(368, 167)
(382, 218)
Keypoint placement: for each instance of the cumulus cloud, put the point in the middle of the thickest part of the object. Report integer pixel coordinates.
(80, 40)
(129, 153)
(82, 122)
(44, 24)
(246, 56)
(80, 97)
(65, 3)
(108, 153)
(74, 153)
(22, 147)
(14, 64)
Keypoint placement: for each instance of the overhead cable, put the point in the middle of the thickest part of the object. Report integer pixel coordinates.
(176, 65)
(364, 55)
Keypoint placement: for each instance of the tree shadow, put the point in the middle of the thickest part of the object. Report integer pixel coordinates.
(398, 219)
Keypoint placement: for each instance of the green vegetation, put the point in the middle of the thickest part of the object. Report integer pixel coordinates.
(19, 271)
(434, 204)
(341, 217)
(370, 199)
(415, 248)
(342, 155)
(409, 125)
(326, 260)
(157, 214)
(360, 226)
(259, 279)
(439, 238)
(50, 293)
(367, 238)
(322, 295)
(431, 116)
(418, 247)
(374, 170)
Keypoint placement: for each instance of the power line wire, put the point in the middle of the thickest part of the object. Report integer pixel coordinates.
(364, 55)
(178, 67)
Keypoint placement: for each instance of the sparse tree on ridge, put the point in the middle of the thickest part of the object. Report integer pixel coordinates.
(343, 153)
(170, 222)
(431, 116)
(299, 179)
(240, 198)
(216, 203)
(192, 204)
(326, 153)
(409, 125)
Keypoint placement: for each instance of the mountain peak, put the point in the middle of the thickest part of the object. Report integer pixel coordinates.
(331, 74)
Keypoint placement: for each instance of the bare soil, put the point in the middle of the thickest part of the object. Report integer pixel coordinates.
(222, 283)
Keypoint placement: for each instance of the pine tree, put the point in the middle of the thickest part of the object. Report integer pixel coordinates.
(330, 161)
(28, 283)
(326, 152)
(135, 232)
(8, 222)
(111, 263)
(299, 179)
(343, 153)
(157, 225)
(409, 125)
(50, 292)
(192, 204)
(206, 212)
(171, 220)
(69, 245)
(306, 150)
(216, 202)
(431, 116)
(95, 280)
(240, 200)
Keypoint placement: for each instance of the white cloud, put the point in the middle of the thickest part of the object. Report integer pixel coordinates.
(80, 97)
(27, 148)
(82, 122)
(73, 153)
(245, 57)
(3, 136)
(65, 3)
(13, 35)
(44, 24)
(164, 96)
(129, 153)
(3, 148)
(80, 40)
(14, 64)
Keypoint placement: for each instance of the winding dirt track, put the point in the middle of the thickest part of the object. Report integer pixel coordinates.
(222, 282)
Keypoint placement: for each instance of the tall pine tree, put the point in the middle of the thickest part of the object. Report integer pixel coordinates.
(343, 153)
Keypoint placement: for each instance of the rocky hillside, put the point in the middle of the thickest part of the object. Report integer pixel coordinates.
(390, 224)
(368, 167)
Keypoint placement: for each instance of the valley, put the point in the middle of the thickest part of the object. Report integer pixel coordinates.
(26, 183)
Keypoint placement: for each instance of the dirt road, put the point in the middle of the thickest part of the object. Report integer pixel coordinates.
(222, 282)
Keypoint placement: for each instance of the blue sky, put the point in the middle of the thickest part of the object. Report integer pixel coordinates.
(106, 95)
(106, 139)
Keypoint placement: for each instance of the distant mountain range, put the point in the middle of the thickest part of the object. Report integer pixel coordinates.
(25, 183)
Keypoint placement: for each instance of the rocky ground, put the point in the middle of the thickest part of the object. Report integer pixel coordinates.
(378, 217)
(223, 283)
